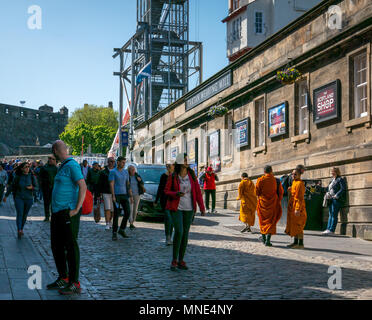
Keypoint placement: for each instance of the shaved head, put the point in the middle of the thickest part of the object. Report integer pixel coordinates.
(59, 150)
(59, 145)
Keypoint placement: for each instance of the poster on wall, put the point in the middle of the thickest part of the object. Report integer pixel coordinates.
(278, 120)
(174, 153)
(192, 154)
(326, 101)
(214, 150)
(242, 133)
(159, 157)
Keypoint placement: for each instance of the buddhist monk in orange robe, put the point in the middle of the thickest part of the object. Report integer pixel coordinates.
(269, 209)
(296, 212)
(248, 198)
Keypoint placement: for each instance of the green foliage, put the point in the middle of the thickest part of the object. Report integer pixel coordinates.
(98, 125)
(94, 116)
(99, 137)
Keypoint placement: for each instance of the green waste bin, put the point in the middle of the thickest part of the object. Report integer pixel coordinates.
(314, 204)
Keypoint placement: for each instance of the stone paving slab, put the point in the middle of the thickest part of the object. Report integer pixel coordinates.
(15, 258)
(224, 264)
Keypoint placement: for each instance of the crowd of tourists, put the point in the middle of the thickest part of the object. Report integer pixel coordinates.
(180, 193)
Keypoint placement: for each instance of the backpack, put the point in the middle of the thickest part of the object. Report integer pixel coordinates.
(284, 180)
(87, 207)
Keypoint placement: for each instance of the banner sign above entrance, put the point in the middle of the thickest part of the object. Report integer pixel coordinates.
(212, 89)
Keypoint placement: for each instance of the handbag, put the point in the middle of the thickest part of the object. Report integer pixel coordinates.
(87, 204)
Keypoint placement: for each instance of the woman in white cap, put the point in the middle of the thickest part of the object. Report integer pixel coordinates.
(183, 193)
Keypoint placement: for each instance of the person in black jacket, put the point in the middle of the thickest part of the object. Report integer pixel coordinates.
(46, 175)
(160, 195)
(336, 196)
(104, 189)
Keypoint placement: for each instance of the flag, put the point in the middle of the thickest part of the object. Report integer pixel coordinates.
(145, 72)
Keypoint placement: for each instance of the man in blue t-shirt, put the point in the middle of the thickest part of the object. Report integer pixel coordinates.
(121, 193)
(67, 199)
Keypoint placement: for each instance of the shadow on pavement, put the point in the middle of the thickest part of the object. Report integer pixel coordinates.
(138, 268)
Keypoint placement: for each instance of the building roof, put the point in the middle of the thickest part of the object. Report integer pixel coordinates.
(276, 37)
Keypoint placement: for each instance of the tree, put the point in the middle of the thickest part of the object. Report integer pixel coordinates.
(98, 125)
(99, 137)
(94, 116)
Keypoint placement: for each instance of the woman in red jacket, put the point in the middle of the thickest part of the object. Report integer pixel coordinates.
(183, 193)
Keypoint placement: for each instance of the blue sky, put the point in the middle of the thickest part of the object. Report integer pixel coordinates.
(69, 61)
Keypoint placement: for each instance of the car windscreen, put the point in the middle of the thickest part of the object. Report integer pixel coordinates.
(151, 175)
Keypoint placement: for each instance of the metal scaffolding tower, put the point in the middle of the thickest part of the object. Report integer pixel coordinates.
(162, 41)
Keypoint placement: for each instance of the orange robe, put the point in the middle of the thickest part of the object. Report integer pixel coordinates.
(296, 224)
(269, 207)
(248, 198)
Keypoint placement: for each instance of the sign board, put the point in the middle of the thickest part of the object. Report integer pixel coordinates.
(242, 133)
(278, 120)
(210, 90)
(214, 144)
(174, 153)
(214, 150)
(192, 150)
(124, 138)
(192, 154)
(327, 101)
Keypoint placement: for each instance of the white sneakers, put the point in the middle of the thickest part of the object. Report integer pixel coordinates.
(168, 241)
(108, 225)
(327, 232)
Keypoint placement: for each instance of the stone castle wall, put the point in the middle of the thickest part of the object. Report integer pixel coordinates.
(23, 126)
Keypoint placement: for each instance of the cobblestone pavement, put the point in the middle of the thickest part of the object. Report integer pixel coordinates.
(224, 264)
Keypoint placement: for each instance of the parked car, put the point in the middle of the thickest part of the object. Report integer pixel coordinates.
(150, 173)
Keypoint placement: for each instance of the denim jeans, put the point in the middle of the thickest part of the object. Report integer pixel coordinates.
(168, 225)
(22, 208)
(182, 222)
(334, 209)
(123, 200)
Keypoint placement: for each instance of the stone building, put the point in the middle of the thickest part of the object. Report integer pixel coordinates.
(325, 117)
(250, 22)
(21, 126)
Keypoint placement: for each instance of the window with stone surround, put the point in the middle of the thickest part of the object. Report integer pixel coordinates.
(359, 94)
(258, 22)
(6, 110)
(302, 107)
(360, 85)
(260, 122)
(235, 4)
(237, 29)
